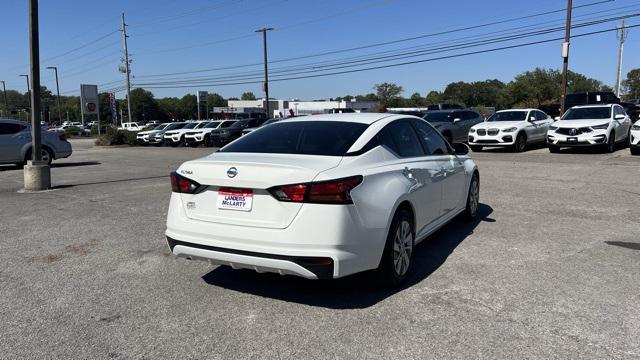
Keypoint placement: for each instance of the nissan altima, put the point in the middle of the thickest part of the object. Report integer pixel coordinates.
(323, 196)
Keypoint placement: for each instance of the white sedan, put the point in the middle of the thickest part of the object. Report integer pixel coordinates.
(323, 197)
(634, 141)
(590, 125)
(511, 128)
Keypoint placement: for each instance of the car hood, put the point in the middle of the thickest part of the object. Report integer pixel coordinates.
(499, 124)
(580, 123)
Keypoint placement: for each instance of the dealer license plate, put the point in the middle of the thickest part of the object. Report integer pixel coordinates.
(235, 199)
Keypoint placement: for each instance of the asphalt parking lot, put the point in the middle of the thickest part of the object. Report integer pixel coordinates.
(551, 270)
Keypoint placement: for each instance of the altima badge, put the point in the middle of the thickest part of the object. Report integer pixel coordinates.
(232, 172)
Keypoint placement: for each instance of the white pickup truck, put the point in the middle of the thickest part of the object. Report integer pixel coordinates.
(131, 126)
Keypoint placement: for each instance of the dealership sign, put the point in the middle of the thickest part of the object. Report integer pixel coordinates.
(89, 99)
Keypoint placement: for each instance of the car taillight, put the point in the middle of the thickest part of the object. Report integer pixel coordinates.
(63, 137)
(180, 184)
(324, 192)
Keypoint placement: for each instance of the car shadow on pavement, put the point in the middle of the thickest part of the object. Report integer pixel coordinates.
(626, 245)
(54, 165)
(353, 292)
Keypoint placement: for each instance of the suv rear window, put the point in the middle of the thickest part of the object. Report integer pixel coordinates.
(328, 138)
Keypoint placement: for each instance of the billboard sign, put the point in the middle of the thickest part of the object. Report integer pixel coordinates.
(114, 109)
(203, 97)
(89, 99)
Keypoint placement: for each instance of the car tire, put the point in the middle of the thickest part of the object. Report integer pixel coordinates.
(398, 250)
(45, 154)
(611, 143)
(476, 148)
(554, 149)
(207, 140)
(470, 212)
(521, 143)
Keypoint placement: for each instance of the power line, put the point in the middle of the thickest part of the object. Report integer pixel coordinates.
(390, 65)
(378, 59)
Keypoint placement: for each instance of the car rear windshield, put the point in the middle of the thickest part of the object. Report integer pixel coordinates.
(328, 138)
(438, 117)
(509, 116)
(588, 113)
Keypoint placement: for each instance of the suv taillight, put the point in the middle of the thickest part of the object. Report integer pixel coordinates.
(323, 192)
(180, 184)
(63, 137)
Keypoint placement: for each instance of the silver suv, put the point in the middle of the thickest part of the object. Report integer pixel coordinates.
(454, 125)
(15, 143)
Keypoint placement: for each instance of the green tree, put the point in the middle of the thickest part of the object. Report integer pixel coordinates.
(417, 100)
(188, 107)
(216, 100)
(386, 92)
(143, 105)
(248, 96)
(632, 84)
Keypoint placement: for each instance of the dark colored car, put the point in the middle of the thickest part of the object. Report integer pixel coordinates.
(436, 107)
(220, 137)
(589, 98)
(454, 125)
(270, 121)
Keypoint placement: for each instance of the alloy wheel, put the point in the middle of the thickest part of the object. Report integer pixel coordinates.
(402, 248)
(474, 197)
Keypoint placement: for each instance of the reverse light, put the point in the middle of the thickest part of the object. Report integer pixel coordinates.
(182, 185)
(323, 192)
(601, 127)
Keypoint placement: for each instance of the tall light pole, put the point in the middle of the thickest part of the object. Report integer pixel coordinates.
(4, 91)
(622, 36)
(266, 68)
(37, 175)
(55, 69)
(565, 57)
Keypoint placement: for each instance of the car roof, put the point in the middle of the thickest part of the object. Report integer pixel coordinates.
(12, 121)
(517, 110)
(362, 118)
(593, 105)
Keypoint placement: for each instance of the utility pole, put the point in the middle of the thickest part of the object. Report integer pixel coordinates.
(565, 57)
(37, 175)
(4, 91)
(127, 69)
(55, 68)
(622, 36)
(266, 68)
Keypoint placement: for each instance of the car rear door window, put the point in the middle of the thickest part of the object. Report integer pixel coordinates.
(10, 129)
(431, 139)
(405, 139)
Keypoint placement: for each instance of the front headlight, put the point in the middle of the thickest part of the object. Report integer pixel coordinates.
(509, 130)
(601, 127)
(472, 131)
(635, 127)
(553, 128)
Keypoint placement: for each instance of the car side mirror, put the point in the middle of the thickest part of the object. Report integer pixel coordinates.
(556, 118)
(460, 148)
(619, 117)
(532, 118)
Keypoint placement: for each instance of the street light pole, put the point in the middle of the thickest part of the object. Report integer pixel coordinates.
(266, 68)
(565, 57)
(37, 175)
(28, 90)
(55, 68)
(4, 91)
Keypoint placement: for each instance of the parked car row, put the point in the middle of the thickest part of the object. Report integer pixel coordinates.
(196, 133)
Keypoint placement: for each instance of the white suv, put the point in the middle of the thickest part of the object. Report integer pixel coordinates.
(143, 136)
(590, 125)
(177, 137)
(202, 135)
(511, 128)
(15, 143)
(634, 141)
(131, 126)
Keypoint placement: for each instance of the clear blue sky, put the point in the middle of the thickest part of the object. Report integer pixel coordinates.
(202, 28)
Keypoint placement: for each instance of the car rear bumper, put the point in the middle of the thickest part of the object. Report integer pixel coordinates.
(323, 241)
